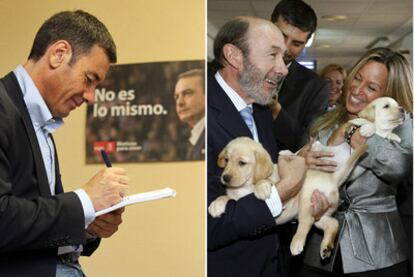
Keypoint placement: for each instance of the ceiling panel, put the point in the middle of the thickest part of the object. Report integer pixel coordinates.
(367, 21)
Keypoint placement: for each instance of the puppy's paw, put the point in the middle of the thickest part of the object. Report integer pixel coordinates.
(367, 130)
(296, 246)
(263, 189)
(286, 153)
(359, 121)
(218, 206)
(326, 250)
(394, 137)
(317, 146)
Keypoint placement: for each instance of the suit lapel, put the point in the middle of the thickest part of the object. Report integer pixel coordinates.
(58, 181)
(259, 114)
(227, 115)
(13, 89)
(197, 151)
(289, 90)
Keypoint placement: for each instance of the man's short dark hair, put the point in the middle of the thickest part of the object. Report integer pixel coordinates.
(197, 72)
(80, 29)
(233, 32)
(296, 13)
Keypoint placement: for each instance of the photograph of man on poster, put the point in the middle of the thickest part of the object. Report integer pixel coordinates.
(189, 103)
(139, 116)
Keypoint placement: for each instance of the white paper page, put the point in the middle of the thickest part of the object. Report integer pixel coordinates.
(138, 198)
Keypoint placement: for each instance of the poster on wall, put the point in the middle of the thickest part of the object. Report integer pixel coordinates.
(148, 112)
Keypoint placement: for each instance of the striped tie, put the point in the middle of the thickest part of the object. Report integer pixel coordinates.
(247, 115)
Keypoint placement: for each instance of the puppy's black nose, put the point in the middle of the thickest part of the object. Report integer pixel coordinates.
(226, 178)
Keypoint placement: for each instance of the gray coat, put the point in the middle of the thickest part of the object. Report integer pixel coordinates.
(371, 234)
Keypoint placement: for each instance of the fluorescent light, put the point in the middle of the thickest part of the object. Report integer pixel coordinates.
(309, 64)
(310, 41)
(324, 46)
(335, 17)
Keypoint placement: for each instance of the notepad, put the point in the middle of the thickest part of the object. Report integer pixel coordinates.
(138, 198)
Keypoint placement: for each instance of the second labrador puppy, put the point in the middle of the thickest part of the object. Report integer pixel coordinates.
(248, 168)
(300, 205)
(381, 117)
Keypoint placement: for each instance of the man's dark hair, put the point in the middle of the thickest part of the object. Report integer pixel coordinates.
(296, 13)
(197, 72)
(80, 29)
(234, 32)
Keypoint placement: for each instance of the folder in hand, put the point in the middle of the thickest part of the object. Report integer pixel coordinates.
(138, 198)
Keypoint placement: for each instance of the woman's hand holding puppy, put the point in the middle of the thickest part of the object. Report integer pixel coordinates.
(314, 159)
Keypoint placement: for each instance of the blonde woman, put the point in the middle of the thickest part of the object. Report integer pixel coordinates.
(371, 240)
(335, 75)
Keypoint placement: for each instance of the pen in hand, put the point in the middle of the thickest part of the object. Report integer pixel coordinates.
(108, 164)
(106, 158)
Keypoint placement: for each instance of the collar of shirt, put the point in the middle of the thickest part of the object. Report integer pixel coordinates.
(196, 131)
(38, 110)
(235, 98)
(237, 101)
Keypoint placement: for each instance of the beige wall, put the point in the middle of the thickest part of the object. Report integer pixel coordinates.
(163, 238)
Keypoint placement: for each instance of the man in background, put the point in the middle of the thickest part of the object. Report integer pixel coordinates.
(42, 229)
(303, 95)
(189, 103)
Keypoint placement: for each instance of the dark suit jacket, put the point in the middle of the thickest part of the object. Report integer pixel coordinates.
(243, 241)
(304, 97)
(197, 152)
(33, 224)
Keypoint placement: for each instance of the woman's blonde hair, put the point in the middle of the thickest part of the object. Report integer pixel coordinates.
(333, 67)
(399, 86)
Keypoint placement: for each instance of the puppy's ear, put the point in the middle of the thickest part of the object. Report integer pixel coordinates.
(221, 159)
(264, 165)
(368, 113)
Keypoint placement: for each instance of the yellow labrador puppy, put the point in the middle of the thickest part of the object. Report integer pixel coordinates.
(381, 116)
(249, 169)
(300, 205)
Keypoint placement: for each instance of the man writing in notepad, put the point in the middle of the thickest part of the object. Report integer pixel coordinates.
(44, 230)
